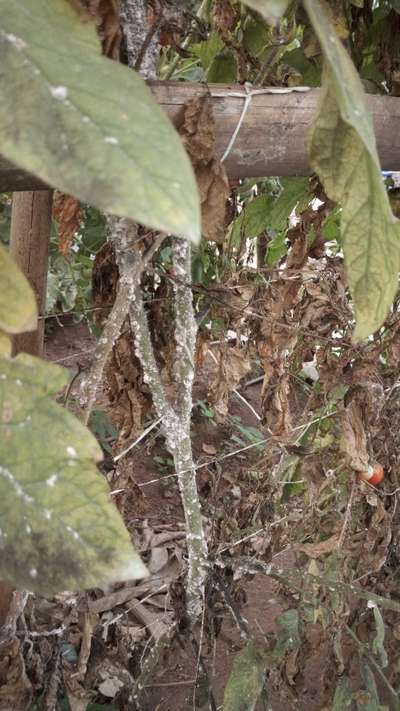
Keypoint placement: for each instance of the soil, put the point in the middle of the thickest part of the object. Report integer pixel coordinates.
(154, 501)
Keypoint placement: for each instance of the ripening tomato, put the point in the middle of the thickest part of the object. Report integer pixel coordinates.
(374, 474)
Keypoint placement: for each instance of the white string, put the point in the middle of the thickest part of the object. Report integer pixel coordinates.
(247, 96)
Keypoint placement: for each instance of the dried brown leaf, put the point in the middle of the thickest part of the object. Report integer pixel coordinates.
(225, 17)
(158, 559)
(198, 130)
(354, 438)
(106, 14)
(67, 211)
(315, 550)
(276, 406)
(89, 622)
(214, 193)
(110, 687)
(109, 602)
(157, 625)
(198, 135)
(208, 449)
(233, 365)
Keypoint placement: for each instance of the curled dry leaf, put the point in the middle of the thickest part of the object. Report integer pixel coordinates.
(225, 17)
(315, 550)
(354, 438)
(198, 135)
(106, 14)
(233, 365)
(67, 211)
(158, 559)
(208, 449)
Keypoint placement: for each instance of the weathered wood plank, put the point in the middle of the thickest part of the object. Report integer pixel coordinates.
(272, 139)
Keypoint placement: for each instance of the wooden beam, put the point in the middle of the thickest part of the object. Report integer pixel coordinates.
(272, 139)
(29, 245)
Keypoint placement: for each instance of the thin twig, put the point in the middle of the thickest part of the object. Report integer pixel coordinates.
(372, 661)
(347, 516)
(139, 439)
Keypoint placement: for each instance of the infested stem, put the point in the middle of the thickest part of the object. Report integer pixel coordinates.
(131, 265)
(196, 541)
(176, 418)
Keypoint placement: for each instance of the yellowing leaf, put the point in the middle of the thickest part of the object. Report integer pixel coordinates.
(343, 153)
(246, 680)
(18, 311)
(59, 529)
(87, 125)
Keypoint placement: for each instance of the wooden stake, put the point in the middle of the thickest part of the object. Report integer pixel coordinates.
(29, 245)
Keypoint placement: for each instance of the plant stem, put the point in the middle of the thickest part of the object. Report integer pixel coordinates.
(176, 418)
(131, 265)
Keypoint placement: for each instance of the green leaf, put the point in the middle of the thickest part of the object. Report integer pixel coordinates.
(288, 635)
(265, 212)
(256, 36)
(223, 68)
(343, 698)
(207, 50)
(368, 700)
(378, 641)
(272, 10)
(343, 153)
(97, 132)
(18, 311)
(59, 529)
(293, 190)
(246, 680)
(276, 249)
(310, 70)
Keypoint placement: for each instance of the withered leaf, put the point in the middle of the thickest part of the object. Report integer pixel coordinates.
(234, 364)
(106, 13)
(198, 136)
(214, 192)
(315, 550)
(208, 448)
(198, 130)
(67, 211)
(354, 438)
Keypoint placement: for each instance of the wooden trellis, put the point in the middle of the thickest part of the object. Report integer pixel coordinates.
(272, 141)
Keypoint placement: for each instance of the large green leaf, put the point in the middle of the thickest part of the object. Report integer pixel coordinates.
(59, 529)
(18, 311)
(246, 680)
(343, 152)
(86, 124)
(370, 233)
